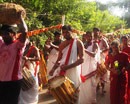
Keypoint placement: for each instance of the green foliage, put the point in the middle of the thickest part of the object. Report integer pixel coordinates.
(124, 5)
(82, 15)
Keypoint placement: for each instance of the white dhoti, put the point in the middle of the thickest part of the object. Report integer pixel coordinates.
(51, 61)
(87, 92)
(30, 96)
(74, 75)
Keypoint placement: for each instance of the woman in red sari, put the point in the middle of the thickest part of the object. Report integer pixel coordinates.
(126, 48)
(116, 63)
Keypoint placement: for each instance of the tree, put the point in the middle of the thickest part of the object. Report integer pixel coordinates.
(124, 5)
(82, 15)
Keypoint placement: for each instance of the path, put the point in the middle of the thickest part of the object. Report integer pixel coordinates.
(45, 98)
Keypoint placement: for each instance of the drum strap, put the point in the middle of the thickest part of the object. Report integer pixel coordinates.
(67, 57)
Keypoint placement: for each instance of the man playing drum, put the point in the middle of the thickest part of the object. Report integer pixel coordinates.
(104, 47)
(88, 87)
(53, 54)
(70, 57)
(31, 62)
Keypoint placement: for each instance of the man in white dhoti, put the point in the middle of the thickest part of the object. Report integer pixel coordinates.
(53, 52)
(88, 87)
(31, 59)
(70, 57)
(104, 47)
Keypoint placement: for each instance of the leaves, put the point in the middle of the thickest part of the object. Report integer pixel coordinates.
(82, 15)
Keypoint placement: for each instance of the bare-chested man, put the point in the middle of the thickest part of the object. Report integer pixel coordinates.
(31, 60)
(91, 56)
(69, 63)
(104, 47)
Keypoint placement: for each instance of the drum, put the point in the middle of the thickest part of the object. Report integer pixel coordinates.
(63, 90)
(101, 69)
(28, 80)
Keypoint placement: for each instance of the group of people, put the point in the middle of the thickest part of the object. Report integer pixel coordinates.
(77, 59)
(82, 65)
